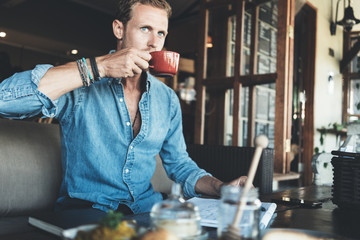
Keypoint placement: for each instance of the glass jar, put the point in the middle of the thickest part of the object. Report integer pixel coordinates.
(177, 216)
(249, 224)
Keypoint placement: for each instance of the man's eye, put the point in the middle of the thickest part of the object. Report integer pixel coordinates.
(145, 29)
(161, 34)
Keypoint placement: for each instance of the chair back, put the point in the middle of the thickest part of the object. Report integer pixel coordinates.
(30, 166)
(230, 162)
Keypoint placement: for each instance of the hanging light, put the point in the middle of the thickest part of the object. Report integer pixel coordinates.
(209, 43)
(348, 20)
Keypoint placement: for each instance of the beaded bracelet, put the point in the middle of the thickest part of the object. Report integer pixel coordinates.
(88, 71)
(95, 69)
(82, 70)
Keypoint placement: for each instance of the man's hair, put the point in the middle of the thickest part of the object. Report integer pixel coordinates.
(125, 7)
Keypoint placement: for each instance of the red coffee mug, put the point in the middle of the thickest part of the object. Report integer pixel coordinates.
(164, 63)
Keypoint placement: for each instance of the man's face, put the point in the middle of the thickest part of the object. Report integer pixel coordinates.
(147, 29)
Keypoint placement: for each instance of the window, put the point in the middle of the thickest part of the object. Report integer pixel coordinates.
(238, 78)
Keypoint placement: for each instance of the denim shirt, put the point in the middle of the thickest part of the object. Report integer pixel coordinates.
(102, 162)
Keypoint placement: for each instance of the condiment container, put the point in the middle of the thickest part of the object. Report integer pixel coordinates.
(249, 223)
(176, 215)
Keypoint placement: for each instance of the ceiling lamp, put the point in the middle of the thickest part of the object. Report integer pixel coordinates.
(209, 43)
(348, 20)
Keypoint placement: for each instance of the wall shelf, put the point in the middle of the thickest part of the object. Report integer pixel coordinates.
(341, 132)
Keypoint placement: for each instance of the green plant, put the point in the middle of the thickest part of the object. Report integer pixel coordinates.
(337, 126)
(316, 150)
(111, 219)
(324, 130)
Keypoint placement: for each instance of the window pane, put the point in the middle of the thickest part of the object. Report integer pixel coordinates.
(216, 16)
(244, 98)
(231, 46)
(355, 63)
(267, 24)
(229, 102)
(244, 106)
(245, 58)
(354, 95)
(265, 112)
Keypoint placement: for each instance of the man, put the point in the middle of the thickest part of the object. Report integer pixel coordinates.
(112, 129)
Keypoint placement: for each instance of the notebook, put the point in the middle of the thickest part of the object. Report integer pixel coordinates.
(208, 212)
(57, 222)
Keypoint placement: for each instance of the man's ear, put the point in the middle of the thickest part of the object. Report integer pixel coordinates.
(118, 29)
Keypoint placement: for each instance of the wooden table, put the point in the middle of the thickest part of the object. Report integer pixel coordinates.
(327, 219)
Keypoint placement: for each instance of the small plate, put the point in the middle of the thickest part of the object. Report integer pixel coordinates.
(291, 233)
(203, 236)
(70, 234)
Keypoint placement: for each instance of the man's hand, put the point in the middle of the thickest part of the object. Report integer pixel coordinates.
(123, 63)
(238, 182)
(211, 186)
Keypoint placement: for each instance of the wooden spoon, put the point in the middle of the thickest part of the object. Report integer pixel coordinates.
(232, 232)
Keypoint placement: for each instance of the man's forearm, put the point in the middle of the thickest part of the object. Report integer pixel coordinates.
(60, 80)
(208, 185)
(211, 186)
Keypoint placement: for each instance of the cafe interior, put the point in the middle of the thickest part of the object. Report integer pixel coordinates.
(286, 69)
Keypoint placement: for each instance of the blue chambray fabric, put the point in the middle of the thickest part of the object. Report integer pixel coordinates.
(101, 160)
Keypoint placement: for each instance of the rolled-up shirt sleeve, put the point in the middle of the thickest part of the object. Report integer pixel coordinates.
(176, 161)
(20, 97)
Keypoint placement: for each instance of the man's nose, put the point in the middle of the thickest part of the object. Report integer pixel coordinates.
(155, 42)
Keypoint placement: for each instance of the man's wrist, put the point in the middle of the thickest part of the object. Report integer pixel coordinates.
(101, 70)
(209, 185)
(218, 188)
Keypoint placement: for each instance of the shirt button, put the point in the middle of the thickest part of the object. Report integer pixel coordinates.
(131, 147)
(126, 170)
(128, 123)
(132, 192)
(121, 99)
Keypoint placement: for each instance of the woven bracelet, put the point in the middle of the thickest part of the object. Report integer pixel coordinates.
(81, 71)
(88, 71)
(94, 69)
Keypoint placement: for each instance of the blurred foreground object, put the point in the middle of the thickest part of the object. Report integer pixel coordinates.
(160, 234)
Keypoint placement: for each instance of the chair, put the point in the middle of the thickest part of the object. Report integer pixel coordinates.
(30, 172)
(229, 162)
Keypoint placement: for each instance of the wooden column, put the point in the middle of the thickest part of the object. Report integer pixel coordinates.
(309, 85)
(346, 78)
(283, 110)
(200, 76)
(253, 71)
(240, 8)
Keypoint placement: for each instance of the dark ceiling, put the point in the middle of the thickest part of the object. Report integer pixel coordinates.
(57, 26)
